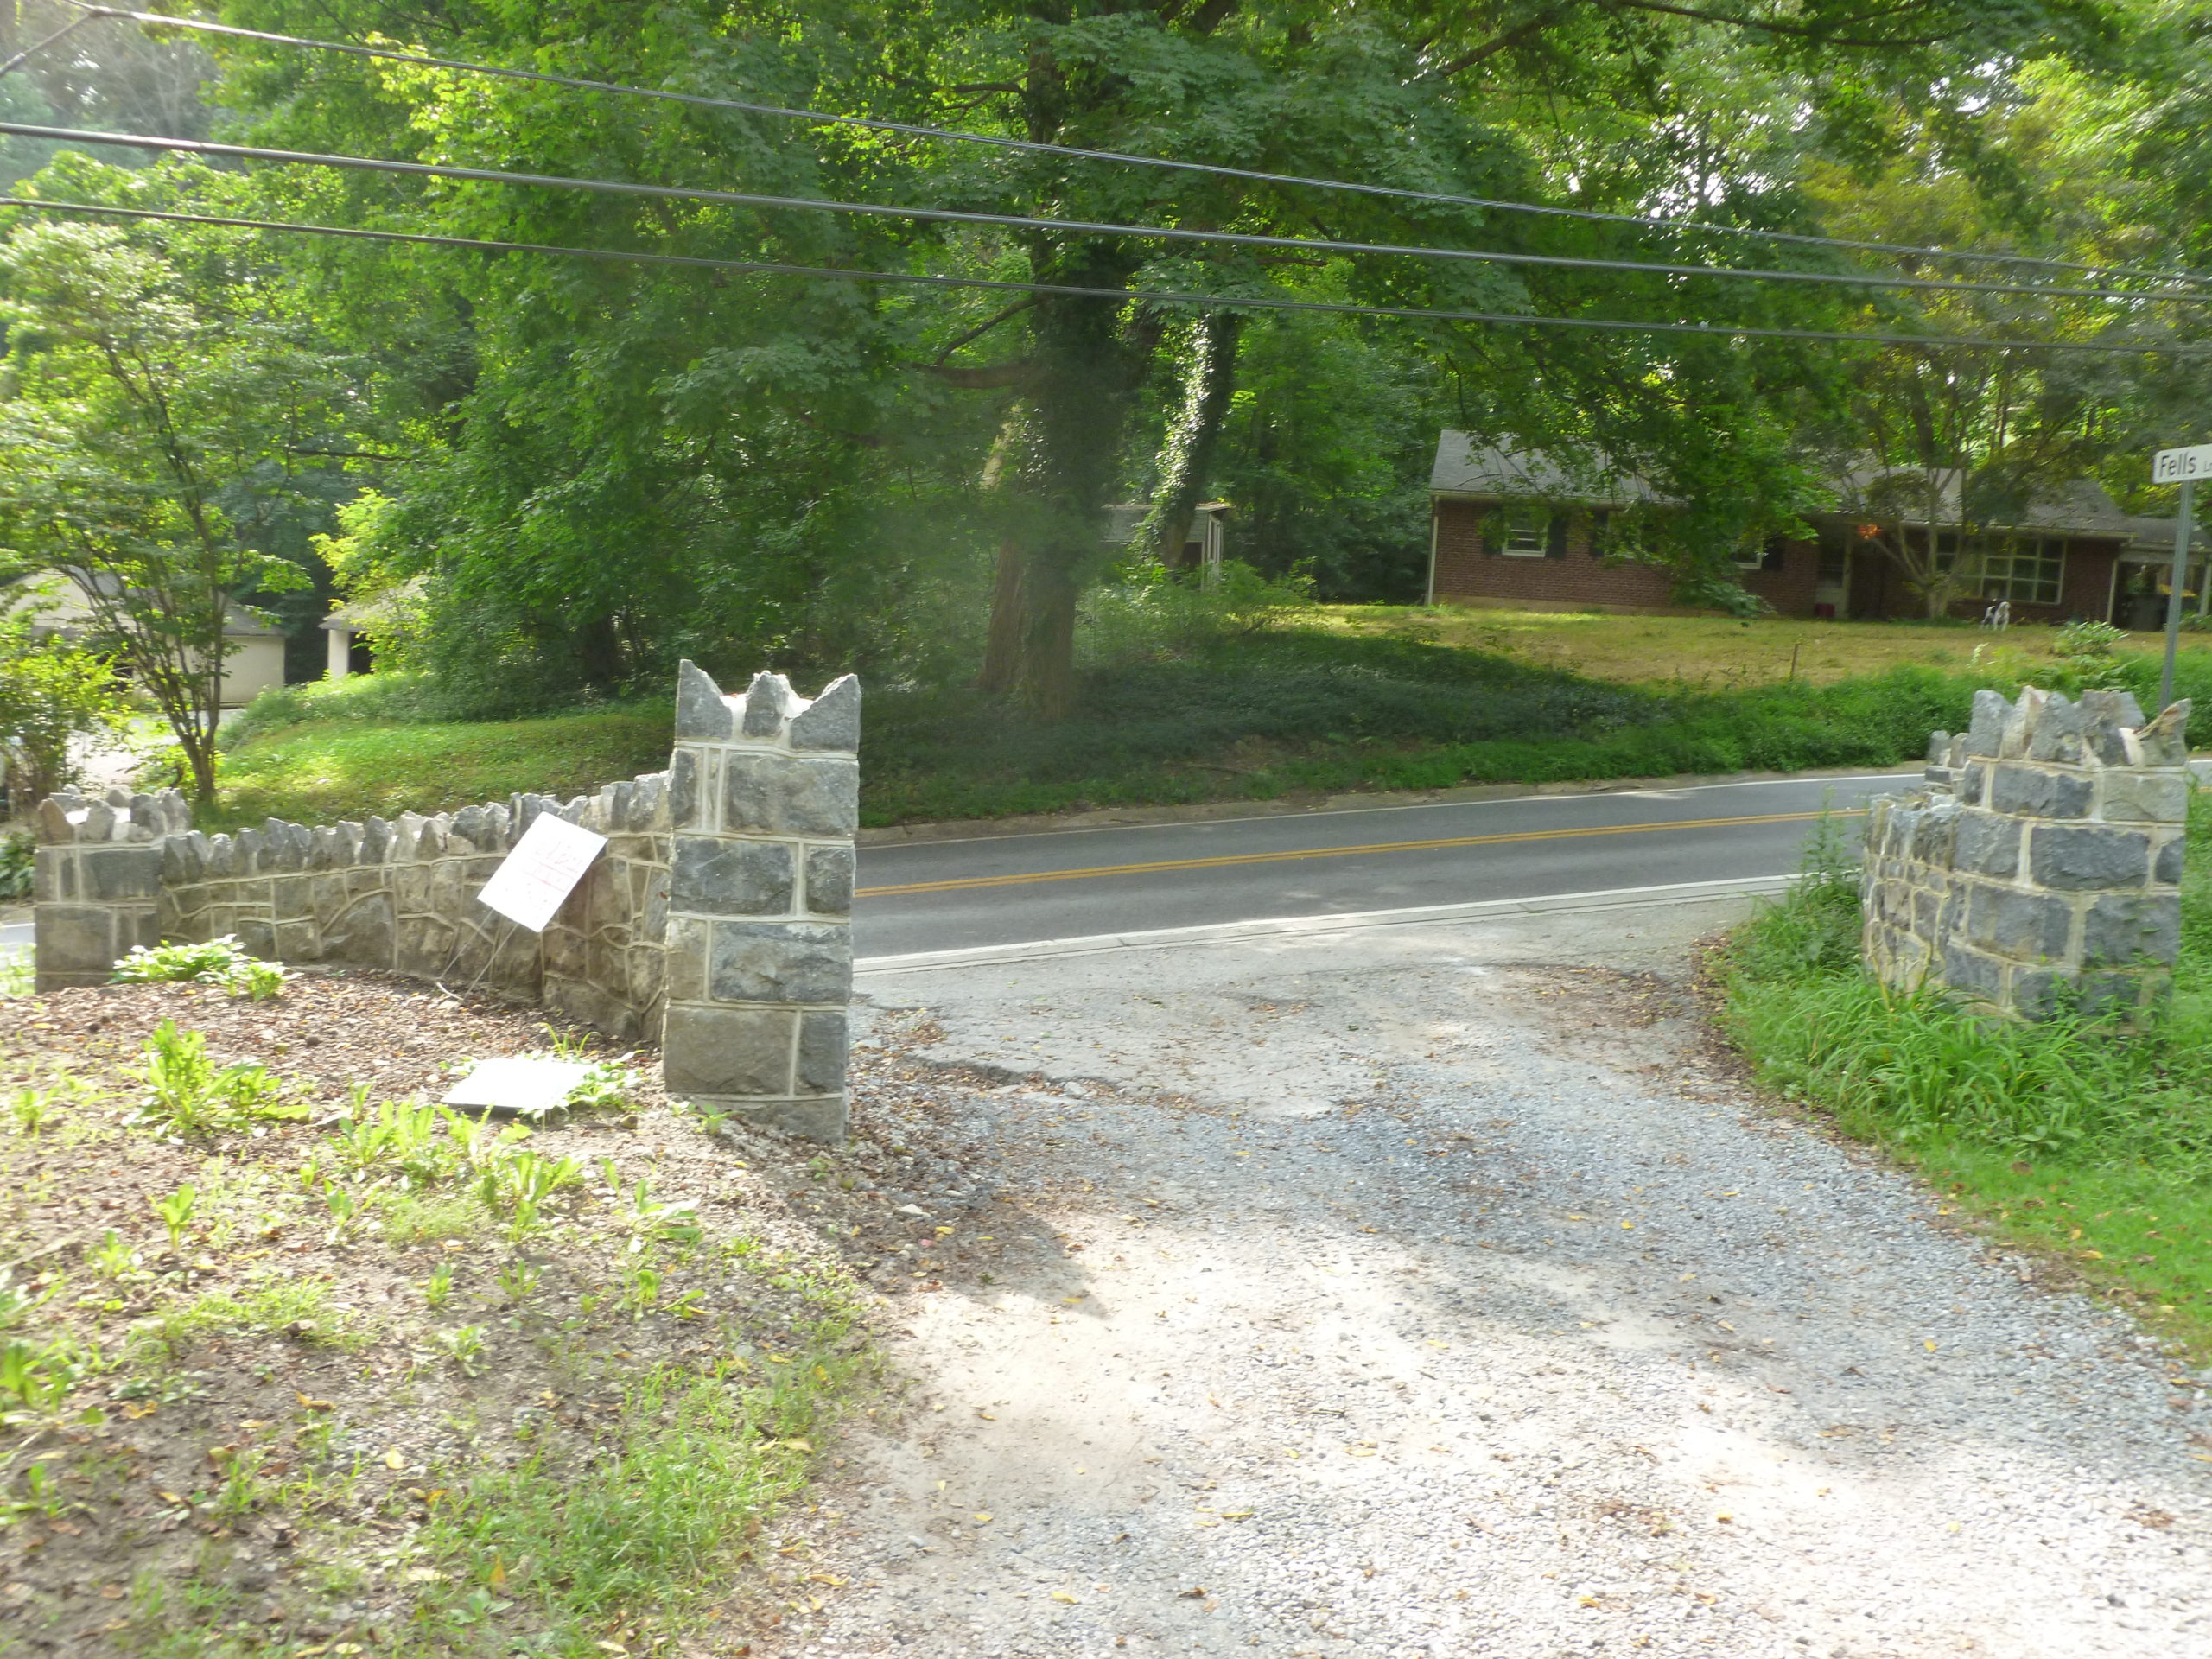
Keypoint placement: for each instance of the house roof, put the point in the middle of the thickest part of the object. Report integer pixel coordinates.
(61, 606)
(1466, 467)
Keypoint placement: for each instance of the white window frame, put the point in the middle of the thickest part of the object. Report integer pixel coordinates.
(1525, 522)
(2025, 569)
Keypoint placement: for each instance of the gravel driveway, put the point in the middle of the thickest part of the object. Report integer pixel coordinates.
(1425, 1292)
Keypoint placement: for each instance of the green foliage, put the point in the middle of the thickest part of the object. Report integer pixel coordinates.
(175, 1212)
(2075, 1134)
(156, 403)
(189, 1096)
(53, 693)
(218, 962)
(695, 1464)
(18, 862)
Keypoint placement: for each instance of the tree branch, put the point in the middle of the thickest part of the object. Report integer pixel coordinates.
(985, 328)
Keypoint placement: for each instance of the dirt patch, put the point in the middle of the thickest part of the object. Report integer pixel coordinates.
(331, 1374)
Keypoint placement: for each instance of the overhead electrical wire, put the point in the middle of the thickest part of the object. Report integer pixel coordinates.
(1024, 221)
(702, 100)
(1149, 296)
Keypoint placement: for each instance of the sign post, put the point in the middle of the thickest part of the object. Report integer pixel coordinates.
(2184, 468)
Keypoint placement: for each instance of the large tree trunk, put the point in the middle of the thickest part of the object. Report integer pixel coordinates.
(1186, 458)
(1083, 371)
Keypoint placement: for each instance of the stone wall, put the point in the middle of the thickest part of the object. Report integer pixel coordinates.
(2040, 861)
(715, 923)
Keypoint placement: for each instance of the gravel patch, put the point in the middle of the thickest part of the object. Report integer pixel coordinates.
(1434, 1293)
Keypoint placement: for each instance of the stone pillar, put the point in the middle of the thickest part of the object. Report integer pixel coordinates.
(763, 796)
(98, 881)
(2038, 866)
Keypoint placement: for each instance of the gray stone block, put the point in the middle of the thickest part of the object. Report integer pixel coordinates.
(2165, 741)
(2122, 929)
(1987, 730)
(2143, 796)
(829, 880)
(786, 962)
(120, 872)
(718, 1052)
(1973, 974)
(701, 713)
(366, 933)
(690, 789)
(2035, 992)
(778, 795)
(73, 944)
(2035, 792)
(2118, 991)
(1974, 783)
(2077, 857)
(821, 1041)
(53, 874)
(820, 1119)
(689, 944)
(2024, 927)
(297, 942)
(2057, 734)
(731, 878)
(833, 720)
(768, 704)
(1986, 845)
(2167, 867)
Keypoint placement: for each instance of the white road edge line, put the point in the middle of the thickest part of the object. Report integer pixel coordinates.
(985, 956)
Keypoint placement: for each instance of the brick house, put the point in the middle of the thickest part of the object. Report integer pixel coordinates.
(1519, 529)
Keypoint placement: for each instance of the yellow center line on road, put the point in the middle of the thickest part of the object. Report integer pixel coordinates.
(1227, 859)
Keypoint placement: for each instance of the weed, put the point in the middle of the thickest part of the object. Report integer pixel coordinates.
(650, 1220)
(520, 1184)
(41, 1495)
(464, 1346)
(608, 1087)
(219, 961)
(641, 1288)
(31, 1108)
(429, 1219)
(242, 1490)
(439, 1286)
(113, 1257)
(36, 1381)
(697, 1463)
(570, 1046)
(401, 1137)
(175, 1212)
(519, 1279)
(300, 1309)
(17, 976)
(187, 1095)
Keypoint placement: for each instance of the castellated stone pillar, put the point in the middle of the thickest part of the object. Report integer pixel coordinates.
(763, 796)
(96, 880)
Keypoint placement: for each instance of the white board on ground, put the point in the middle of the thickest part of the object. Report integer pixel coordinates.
(518, 1083)
(542, 870)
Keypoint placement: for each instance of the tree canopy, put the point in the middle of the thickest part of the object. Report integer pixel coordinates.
(583, 469)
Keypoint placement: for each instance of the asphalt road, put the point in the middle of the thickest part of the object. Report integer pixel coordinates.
(994, 890)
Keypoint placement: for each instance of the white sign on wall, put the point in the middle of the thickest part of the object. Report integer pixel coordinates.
(2180, 466)
(542, 870)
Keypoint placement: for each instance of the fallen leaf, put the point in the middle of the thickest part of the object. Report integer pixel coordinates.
(1929, 1345)
(1193, 1593)
(983, 1517)
(1061, 1595)
(307, 1404)
(392, 1459)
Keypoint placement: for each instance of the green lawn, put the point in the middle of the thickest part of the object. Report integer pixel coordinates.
(1333, 701)
(323, 770)
(2089, 1148)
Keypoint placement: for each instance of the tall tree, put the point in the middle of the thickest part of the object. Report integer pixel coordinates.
(155, 415)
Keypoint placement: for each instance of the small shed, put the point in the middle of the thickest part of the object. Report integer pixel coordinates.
(253, 657)
(1202, 547)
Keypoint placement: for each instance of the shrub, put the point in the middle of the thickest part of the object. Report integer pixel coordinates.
(219, 961)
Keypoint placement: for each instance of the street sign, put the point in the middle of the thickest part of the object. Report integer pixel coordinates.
(2184, 468)
(2180, 466)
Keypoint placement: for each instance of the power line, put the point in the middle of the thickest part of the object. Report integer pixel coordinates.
(1124, 158)
(1148, 296)
(1022, 221)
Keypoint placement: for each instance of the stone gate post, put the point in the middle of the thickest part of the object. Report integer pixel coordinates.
(764, 796)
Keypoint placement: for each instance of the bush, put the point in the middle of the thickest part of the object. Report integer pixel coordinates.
(18, 857)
